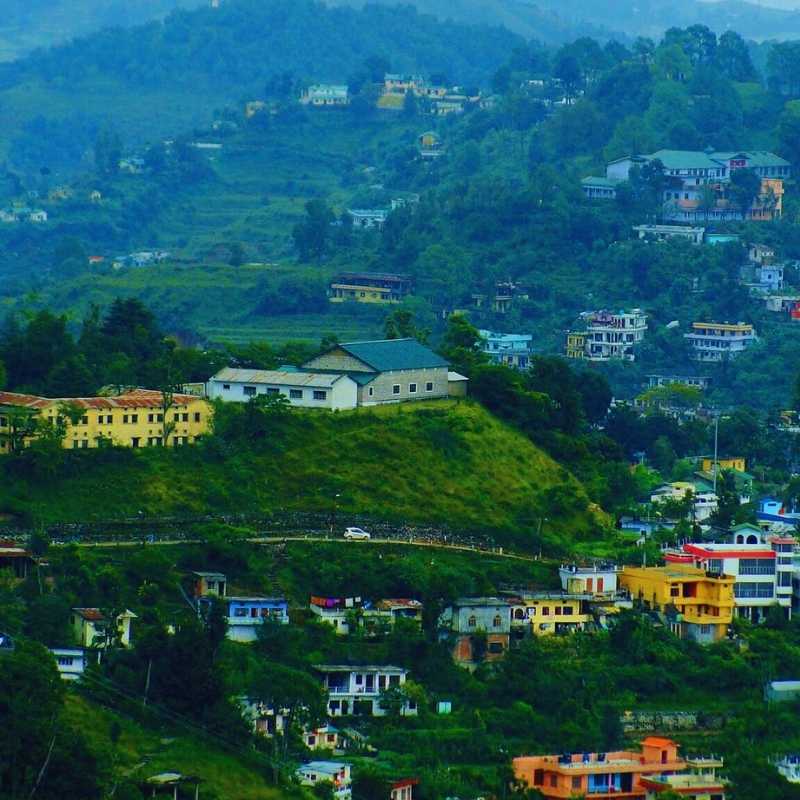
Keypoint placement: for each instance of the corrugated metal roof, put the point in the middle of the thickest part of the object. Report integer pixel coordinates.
(394, 354)
(277, 378)
(136, 398)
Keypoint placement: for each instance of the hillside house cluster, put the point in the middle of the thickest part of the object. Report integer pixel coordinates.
(607, 335)
(15, 214)
(698, 183)
(506, 294)
(325, 95)
(347, 376)
(347, 614)
(438, 100)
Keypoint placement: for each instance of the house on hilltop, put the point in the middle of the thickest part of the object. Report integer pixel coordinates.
(387, 371)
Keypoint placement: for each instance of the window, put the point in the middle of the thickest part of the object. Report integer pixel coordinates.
(84, 420)
(197, 416)
(296, 394)
(185, 417)
(412, 388)
(273, 390)
(675, 590)
(754, 590)
(320, 394)
(576, 783)
(429, 386)
(135, 441)
(65, 661)
(558, 610)
(497, 622)
(495, 647)
(124, 419)
(240, 612)
(756, 566)
(151, 417)
(472, 621)
(176, 417)
(226, 387)
(249, 391)
(359, 679)
(396, 388)
(545, 611)
(371, 391)
(568, 610)
(159, 417)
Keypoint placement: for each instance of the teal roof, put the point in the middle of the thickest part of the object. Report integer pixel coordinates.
(685, 159)
(607, 183)
(394, 354)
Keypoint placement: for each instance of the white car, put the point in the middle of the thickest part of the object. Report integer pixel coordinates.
(356, 533)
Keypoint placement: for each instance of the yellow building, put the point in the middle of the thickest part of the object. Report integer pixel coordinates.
(547, 613)
(133, 419)
(697, 604)
(576, 344)
(737, 463)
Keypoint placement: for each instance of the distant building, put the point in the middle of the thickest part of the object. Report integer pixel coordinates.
(430, 145)
(15, 559)
(782, 692)
(338, 612)
(325, 95)
(695, 381)
(608, 335)
(245, 614)
(70, 662)
(93, 629)
(662, 233)
(302, 389)
(209, 584)
(356, 689)
(402, 789)
(334, 772)
(789, 767)
(718, 341)
(600, 187)
(478, 629)
(368, 218)
(704, 499)
(370, 287)
(510, 349)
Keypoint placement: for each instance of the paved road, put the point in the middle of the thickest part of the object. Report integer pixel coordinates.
(275, 540)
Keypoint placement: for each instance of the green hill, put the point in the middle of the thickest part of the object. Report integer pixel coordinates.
(441, 463)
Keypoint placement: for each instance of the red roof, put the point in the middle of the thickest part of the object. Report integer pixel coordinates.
(136, 398)
(90, 614)
(405, 782)
(703, 552)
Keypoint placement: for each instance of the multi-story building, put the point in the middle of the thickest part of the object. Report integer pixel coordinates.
(619, 774)
(696, 604)
(356, 690)
(70, 662)
(696, 381)
(704, 498)
(576, 344)
(245, 614)
(762, 565)
(135, 418)
(370, 287)
(341, 613)
(549, 613)
(325, 95)
(510, 349)
(700, 781)
(718, 341)
(478, 629)
(662, 233)
(610, 335)
(92, 628)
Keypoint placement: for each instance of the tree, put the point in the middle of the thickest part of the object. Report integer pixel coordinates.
(312, 233)
(462, 345)
(400, 324)
(237, 254)
(789, 131)
(745, 187)
(727, 500)
(107, 152)
(733, 57)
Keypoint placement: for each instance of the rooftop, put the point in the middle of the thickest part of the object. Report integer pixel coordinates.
(358, 668)
(394, 354)
(259, 376)
(136, 398)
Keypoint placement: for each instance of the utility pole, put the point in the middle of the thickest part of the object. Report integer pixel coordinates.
(716, 448)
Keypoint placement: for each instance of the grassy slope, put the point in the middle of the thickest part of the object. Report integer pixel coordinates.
(144, 751)
(442, 462)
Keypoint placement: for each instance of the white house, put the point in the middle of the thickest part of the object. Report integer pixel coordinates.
(302, 389)
(357, 690)
(91, 627)
(335, 772)
(70, 662)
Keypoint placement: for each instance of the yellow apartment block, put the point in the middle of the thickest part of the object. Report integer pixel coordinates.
(698, 604)
(549, 613)
(576, 345)
(133, 419)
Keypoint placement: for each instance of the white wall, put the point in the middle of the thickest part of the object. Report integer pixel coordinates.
(343, 394)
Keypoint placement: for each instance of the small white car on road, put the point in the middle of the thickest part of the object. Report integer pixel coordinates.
(356, 533)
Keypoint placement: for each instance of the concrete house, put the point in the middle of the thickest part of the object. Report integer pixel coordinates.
(338, 612)
(207, 584)
(511, 349)
(302, 389)
(92, 629)
(335, 772)
(356, 689)
(387, 371)
(245, 614)
(70, 662)
(471, 621)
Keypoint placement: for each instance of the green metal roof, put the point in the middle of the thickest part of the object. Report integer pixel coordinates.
(607, 183)
(394, 354)
(685, 159)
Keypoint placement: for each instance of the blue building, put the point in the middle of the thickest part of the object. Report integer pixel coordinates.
(511, 349)
(245, 614)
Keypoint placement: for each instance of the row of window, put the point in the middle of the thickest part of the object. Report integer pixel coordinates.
(412, 388)
(754, 590)
(133, 419)
(136, 441)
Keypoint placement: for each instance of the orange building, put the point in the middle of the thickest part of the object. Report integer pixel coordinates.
(602, 776)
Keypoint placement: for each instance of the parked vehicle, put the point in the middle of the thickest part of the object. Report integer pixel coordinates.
(357, 534)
